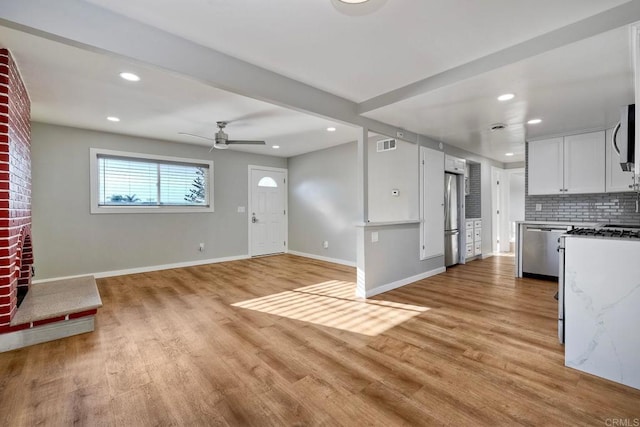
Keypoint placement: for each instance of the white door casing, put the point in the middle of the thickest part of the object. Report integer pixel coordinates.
(267, 214)
(500, 207)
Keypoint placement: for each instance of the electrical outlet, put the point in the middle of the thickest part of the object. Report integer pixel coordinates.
(325, 244)
(201, 247)
(538, 207)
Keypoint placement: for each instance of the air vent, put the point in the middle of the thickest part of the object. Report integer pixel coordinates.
(497, 126)
(386, 145)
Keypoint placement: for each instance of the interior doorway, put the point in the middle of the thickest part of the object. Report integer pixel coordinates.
(500, 210)
(267, 210)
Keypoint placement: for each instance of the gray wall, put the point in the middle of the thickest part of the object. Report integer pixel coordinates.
(394, 257)
(393, 169)
(323, 202)
(68, 240)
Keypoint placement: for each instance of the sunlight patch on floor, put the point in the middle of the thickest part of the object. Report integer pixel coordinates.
(333, 304)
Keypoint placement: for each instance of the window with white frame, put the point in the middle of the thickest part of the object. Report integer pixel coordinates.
(134, 182)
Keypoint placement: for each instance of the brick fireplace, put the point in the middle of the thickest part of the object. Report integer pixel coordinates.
(16, 256)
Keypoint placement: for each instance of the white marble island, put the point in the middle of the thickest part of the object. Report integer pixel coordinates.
(602, 307)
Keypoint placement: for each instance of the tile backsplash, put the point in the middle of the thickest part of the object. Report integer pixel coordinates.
(473, 207)
(615, 208)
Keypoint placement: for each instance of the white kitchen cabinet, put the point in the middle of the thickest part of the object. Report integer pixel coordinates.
(431, 203)
(584, 163)
(454, 164)
(571, 165)
(546, 166)
(616, 180)
(473, 232)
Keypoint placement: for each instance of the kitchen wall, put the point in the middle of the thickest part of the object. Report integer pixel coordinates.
(323, 203)
(485, 191)
(473, 201)
(389, 170)
(68, 240)
(615, 208)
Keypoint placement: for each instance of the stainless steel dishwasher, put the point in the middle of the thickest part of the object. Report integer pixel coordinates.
(540, 256)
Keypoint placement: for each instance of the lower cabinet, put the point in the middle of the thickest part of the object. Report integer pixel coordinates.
(473, 232)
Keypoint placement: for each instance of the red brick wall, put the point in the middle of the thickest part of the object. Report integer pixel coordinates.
(15, 186)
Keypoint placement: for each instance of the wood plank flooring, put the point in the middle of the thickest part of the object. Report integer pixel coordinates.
(201, 346)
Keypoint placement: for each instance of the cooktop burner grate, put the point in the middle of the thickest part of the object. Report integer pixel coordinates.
(606, 232)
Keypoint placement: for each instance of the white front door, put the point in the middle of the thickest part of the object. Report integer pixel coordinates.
(267, 211)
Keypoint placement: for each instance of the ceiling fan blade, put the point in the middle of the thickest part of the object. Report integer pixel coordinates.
(247, 142)
(197, 136)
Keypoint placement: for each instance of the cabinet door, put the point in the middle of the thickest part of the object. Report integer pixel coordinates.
(584, 163)
(616, 179)
(431, 203)
(545, 166)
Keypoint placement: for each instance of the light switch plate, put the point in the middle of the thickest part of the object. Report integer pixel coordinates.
(538, 207)
(241, 209)
(374, 236)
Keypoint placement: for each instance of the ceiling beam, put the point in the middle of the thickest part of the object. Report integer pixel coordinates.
(611, 19)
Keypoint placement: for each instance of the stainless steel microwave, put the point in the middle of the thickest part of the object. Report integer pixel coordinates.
(623, 138)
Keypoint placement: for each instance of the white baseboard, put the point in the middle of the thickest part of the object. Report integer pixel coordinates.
(485, 256)
(397, 284)
(147, 269)
(323, 258)
(50, 332)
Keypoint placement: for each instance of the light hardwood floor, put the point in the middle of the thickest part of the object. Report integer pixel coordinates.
(281, 341)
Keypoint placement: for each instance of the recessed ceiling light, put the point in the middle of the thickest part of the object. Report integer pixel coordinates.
(113, 119)
(534, 121)
(506, 97)
(508, 154)
(130, 76)
(331, 129)
(275, 147)
(354, 1)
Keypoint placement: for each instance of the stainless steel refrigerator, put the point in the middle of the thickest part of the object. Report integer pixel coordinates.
(451, 232)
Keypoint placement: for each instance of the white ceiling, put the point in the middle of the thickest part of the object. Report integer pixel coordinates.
(74, 87)
(572, 88)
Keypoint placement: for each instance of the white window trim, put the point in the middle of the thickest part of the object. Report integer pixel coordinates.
(95, 190)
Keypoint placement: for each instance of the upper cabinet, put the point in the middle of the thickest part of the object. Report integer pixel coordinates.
(546, 166)
(584, 163)
(616, 180)
(570, 165)
(454, 164)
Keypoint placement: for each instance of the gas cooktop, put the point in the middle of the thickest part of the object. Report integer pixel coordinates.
(615, 231)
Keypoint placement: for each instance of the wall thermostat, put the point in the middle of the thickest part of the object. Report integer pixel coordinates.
(395, 192)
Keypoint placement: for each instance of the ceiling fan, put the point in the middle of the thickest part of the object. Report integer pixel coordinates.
(221, 139)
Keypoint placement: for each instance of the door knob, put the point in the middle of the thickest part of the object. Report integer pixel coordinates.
(253, 218)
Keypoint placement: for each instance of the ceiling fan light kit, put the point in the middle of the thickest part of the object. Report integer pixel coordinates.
(221, 140)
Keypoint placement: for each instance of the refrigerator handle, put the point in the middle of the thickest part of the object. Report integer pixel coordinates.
(614, 143)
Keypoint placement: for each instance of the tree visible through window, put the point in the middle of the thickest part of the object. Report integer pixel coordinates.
(133, 181)
(198, 192)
